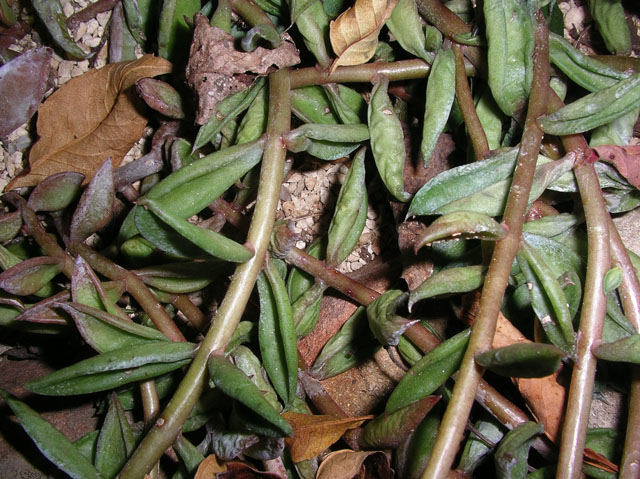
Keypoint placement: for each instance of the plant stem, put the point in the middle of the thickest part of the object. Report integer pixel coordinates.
(468, 108)
(504, 410)
(593, 308)
(442, 18)
(455, 419)
(629, 291)
(170, 422)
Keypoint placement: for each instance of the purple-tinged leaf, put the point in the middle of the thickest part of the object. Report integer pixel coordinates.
(43, 312)
(56, 192)
(10, 225)
(161, 96)
(384, 323)
(626, 350)
(23, 82)
(105, 332)
(84, 285)
(11, 301)
(30, 275)
(95, 208)
(523, 360)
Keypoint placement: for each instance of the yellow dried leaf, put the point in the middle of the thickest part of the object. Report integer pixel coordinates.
(354, 34)
(313, 434)
(209, 468)
(90, 118)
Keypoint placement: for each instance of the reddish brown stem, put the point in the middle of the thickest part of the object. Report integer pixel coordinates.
(468, 108)
(91, 12)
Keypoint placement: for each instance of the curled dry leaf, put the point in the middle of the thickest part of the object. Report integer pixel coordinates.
(23, 82)
(354, 34)
(313, 434)
(626, 159)
(217, 69)
(211, 468)
(347, 464)
(90, 118)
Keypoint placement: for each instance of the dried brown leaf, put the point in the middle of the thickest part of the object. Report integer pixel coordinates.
(544, 397)
(209, 468)
(347, 464)
(217, 69)
(312, 434)
(90, 118)
(354, 34)
(626, 159)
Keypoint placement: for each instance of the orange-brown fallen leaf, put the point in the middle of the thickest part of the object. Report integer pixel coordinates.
(90, 118)
(354, 34)
(596, 459)
(544, 397)
(312, 434)
(209, 468)
(347, 464)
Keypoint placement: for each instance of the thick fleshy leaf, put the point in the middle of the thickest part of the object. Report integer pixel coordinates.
(161, 96)
(313, 434)
(406, 27)
(29, 276)
(235, 384)
(461, 181)
(23, 82)
(212, 242)
(509, 31)
(353, 344)
(52, 15)
(511, 456)
(594, 109)
(350, 214)
(228, 445)
(430, 372)
(247, 362)
(115, 368)
(449, 281)
(463, 225)
(51, 442)
(476, 449)
(387, 141)
(10, 225)
(523, 360)
(390, 429)
(106, 332)
(441, 89)
(115, 442)
(384, 323)
(179, 278)
(612, 280)
(277, 333)
(174, 34)
(354, 34)
(55, 192)
(109, 124)
(306, 309)
(95, 208)
(626, 350)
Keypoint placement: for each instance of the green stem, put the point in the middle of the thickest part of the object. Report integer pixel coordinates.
(468, 108)
(629, 291)
(170, 422)
(504, 410)
(593, 310)
(457, 413)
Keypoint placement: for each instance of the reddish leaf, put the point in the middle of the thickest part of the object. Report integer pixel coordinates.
(626, 159)
(23, 82)
(30, 275)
